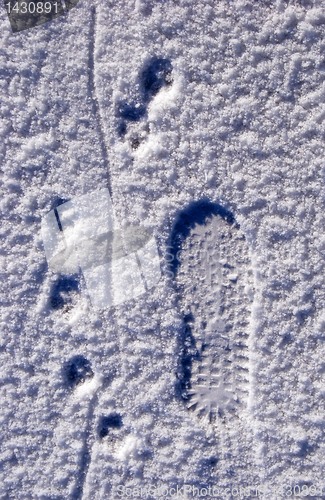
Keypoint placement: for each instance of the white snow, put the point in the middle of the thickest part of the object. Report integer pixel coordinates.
(241, 123)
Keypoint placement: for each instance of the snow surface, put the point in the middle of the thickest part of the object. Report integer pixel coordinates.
(237, 119)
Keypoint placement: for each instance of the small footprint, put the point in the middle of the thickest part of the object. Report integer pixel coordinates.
(132, 124)
(156, 75)
(77, 370)
(64, 291)
(108, 423)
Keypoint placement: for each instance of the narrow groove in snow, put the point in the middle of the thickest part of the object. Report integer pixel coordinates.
(92, 95)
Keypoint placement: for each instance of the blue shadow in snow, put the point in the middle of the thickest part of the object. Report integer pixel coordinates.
(131, 112)
(77, 370)
(112, 421)
(155, 75)
(62, 290)
(198, 212)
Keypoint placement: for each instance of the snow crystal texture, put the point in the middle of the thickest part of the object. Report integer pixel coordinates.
(165, 104)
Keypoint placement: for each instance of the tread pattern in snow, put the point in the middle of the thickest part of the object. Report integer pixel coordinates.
(215, 281)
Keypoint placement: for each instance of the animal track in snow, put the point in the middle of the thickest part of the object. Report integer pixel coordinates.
(74, 436)
(64, 292)
(77, 370)
(109, 422)
(156, 75)
(215, 283)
